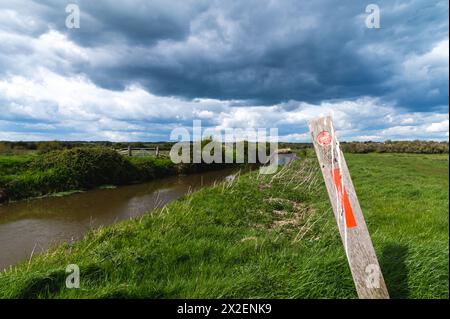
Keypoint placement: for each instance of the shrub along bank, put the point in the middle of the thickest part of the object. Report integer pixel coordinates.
(81, 168)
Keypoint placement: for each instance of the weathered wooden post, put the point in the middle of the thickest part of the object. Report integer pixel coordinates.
(358, 246)
(129, 150)
(157, 151)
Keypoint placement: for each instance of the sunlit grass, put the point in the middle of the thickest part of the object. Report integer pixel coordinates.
(263, 237)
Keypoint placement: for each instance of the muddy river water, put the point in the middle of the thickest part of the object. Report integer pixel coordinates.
(33, 225)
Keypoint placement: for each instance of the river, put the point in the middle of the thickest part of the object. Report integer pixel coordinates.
(31, 226)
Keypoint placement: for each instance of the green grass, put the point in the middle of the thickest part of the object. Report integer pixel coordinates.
(262, 237)
(405, 200)
(11, 165)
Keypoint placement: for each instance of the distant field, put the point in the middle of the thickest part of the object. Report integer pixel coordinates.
(263, 237)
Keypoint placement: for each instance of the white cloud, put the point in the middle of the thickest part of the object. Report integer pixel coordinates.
(295, 137)
(438, 127)
(430, 65)
(47, 103)
(363, 138)
(51, 106)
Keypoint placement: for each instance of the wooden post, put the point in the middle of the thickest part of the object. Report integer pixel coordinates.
(129, 150)
(358, 246)
(157, 151)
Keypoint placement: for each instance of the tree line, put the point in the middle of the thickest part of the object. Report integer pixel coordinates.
(420, 147)
(8, 147)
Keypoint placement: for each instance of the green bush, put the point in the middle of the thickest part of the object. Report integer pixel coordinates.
(146, 168)
(81, 168)
(85, 167)
(47, 146)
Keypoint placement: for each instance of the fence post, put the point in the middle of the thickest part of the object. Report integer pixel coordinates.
(157, 151)
(358, 246)
(129, 151)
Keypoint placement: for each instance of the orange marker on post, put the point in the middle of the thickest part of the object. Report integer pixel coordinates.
(343, 198)
(358, 246)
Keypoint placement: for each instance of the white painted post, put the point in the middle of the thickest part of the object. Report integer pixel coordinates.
(358, 246)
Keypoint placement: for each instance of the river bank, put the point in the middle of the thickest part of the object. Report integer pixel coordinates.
(30, 176)
(31, 226)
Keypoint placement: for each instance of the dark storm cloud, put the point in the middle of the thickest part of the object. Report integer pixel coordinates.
(136, 21)
(266, 52)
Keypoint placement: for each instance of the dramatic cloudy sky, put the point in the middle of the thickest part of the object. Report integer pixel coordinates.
(136, 69)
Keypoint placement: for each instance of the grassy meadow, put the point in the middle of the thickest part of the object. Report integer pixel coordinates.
(262, 236)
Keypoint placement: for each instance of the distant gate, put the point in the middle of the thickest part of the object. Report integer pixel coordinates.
(139, 151)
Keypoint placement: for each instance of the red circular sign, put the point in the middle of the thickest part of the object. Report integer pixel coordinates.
(324, 138)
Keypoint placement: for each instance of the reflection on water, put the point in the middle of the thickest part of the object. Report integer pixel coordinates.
(37, 223)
